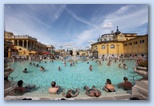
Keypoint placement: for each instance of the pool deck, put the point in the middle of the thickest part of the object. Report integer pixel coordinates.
(118, 95)
(122, 97)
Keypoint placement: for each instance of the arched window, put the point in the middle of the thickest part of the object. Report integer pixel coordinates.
(103, 47)
(95, 47)
(112, 46)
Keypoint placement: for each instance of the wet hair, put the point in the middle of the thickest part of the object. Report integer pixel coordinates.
(68, 95)
(53, 84)
(20, 82)
(125, 78)
(42, 67)
(108, 81)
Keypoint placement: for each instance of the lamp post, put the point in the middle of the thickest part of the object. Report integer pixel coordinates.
(61, 50)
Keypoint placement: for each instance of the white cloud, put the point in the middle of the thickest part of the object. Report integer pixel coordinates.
(123, 9)
(80, 18)
(134, 19)
(40, 22)
(130, 20)
(20, 27)
(107, 24)
(122, 18)
(91, 41)
(59, 10)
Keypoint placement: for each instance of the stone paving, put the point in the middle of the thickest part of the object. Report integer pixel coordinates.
(118, 95)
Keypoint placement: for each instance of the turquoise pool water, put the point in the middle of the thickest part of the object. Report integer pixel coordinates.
(73, 77)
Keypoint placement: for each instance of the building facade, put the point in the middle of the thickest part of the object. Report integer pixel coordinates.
(106, 37)
(24, 45)
(122, 44)
(137, 46)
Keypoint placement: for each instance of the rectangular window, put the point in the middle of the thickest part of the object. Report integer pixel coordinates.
(130, 43)
(141, 41)
(135, 42)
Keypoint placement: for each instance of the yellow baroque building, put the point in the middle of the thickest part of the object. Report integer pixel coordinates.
(23, 45)
(120, 44)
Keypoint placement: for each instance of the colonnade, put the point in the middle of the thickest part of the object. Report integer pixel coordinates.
(28, 44)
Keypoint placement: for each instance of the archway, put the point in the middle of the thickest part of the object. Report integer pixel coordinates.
(95, 53)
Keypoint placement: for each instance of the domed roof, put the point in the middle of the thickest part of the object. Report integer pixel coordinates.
(117, 32)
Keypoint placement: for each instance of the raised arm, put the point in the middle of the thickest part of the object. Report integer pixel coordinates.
(76, 94)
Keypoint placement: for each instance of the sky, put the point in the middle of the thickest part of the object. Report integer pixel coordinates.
(74, 26)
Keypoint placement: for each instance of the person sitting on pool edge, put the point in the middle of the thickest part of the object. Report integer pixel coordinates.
(21, 90)
(109, 87)
(54, 89)
(71, 93)
(126, 85)
(92, 92)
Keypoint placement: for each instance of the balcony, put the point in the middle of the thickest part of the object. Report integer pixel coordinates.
(24, 36)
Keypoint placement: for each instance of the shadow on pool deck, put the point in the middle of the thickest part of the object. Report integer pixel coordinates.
(119, 98)
(107, 97)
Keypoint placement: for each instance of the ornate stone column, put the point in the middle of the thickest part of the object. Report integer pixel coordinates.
(17, 42)
(35, 46)
(22, 43)
(27, 44)
(31, 45)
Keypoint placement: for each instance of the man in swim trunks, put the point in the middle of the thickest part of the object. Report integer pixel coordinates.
(71, 93)
(20, 89)
(54, 89)
(92, 92)
(127, 85)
